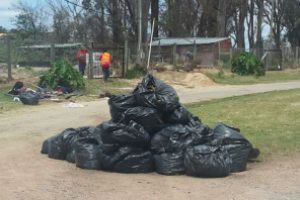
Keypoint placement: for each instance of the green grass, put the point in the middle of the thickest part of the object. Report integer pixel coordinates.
(270, 77)
(113, 85)
(270, 121)
(6, 102)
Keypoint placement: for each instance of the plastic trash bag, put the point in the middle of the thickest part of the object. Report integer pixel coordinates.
(132, 134)
(108, 161)
(29, 98)
(196, 126)
(177, 138)
(118, 104)
(45, 145)
(152, 92)
(178, 116)
(149, 118)
(136, 163)
(87, 153)
(235, 143)
(71, 156)
(207, 161)
(106, 128)
(170, 163)
(56, 149)
(64, 143)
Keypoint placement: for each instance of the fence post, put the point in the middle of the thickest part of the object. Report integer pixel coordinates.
(125, 58)
(91, 64)
(8, 59)
(282, 60)
(52, 52)
(195, 50)
(174, 56)
(297, 56)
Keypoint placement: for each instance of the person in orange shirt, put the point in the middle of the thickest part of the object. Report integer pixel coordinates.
(81, 57)
(106, 61)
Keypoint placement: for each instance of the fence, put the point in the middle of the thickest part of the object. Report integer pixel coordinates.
(205, 55)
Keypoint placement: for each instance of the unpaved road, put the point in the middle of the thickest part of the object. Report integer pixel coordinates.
(27, 174)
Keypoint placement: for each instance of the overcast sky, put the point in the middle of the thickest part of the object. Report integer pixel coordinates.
(6, 13)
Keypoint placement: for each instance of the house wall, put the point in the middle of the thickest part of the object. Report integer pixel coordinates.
(206, 53)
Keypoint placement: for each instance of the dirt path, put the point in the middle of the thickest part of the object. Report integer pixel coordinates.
(27, 174)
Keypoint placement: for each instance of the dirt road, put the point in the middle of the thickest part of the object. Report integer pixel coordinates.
(27, 174)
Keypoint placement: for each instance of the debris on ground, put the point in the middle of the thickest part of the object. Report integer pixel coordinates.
(151, 131)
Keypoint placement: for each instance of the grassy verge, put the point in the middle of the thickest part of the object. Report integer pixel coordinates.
(270, 77)
(270, 121)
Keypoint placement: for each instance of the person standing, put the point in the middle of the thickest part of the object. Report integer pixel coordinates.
(106, 60)
(81, 57)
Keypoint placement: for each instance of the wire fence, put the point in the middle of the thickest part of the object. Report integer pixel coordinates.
(126, 57)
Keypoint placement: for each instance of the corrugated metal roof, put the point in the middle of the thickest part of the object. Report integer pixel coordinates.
(186, 41)
(49, 46)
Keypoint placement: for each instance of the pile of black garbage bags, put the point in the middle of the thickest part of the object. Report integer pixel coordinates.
(151, 131)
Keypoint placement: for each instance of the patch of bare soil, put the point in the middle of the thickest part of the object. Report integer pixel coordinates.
(198, 79)
(27, 174)
(181, 79)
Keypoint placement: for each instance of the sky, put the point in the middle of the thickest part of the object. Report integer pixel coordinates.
(6, 13)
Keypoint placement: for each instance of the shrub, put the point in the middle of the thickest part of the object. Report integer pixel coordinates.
(246, 64)
(136, 72)
(64, 74)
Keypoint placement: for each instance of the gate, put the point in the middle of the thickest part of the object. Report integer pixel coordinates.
(117, 69)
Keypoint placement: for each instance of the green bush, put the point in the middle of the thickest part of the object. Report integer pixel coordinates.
(246, 64)
(62, 73)
(136, 72)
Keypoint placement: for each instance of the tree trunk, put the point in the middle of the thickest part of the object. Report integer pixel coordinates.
(221, 18)
(154, 15)
(241, 25)
(145, 15)
(260, 5)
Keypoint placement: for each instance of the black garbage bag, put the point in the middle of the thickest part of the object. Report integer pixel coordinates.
(170, 163)
(71, 156)
(177, 138)
(178, 116)
(106, 129)
(71, 135)
(118, 104)
(196, 126)
(16, 88)
(56, 149)
(45, 145)
(136, 163)
(65, 141)
(235, 143)
(149, 118)
(152, 92)
(207, 161)
(132, 134)
(87, 153)
(109, 160)
(30, 98)
(109, 148)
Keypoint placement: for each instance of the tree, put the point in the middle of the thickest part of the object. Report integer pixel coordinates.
(221, 18)
(2, 29)
(291, 14)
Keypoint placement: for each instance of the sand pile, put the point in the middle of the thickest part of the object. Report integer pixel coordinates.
(198, 79)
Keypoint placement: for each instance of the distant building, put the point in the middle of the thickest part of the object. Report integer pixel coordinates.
(207, 51)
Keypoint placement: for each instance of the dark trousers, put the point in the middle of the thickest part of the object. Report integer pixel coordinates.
(82, 67)
(105, 71)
